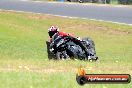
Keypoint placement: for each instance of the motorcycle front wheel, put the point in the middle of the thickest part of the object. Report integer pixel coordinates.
(61, 55)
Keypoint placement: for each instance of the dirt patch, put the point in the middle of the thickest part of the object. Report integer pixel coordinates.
(85, 27)
(98, 28)
(37, 70)
(39, 17)
(117, 32)
(7, 12)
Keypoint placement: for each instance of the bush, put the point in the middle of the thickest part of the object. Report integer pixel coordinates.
(129, 1)
(125, 2)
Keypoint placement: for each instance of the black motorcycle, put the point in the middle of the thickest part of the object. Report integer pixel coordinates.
(63, 48)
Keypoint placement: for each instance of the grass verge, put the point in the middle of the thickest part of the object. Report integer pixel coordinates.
(23, 56)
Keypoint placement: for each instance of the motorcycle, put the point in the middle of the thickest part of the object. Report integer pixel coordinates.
(64, 48)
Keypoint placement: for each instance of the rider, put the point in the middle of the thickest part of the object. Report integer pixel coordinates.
(54, 29)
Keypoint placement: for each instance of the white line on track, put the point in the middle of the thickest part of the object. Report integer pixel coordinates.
(68, 17)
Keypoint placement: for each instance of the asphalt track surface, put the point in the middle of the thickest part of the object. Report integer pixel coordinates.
(117, 14)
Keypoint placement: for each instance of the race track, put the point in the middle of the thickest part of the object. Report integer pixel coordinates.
(106, 13)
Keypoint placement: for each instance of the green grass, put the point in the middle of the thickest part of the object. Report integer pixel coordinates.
(23, 57)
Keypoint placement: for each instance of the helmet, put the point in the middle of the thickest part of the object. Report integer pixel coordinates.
(52, 30)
